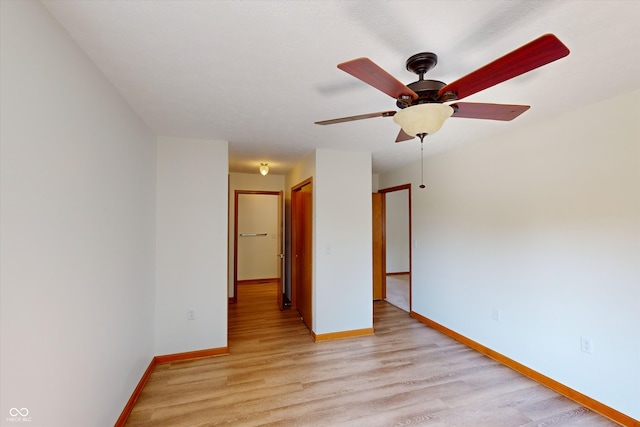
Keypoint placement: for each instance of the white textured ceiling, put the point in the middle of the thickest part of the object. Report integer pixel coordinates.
(259, 73)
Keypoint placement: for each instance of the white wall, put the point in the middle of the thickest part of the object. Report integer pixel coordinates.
(191, 234)
(542, 224)
(342, 262)
(397, 231)
(246, 181)
(77, 224)
(254, 181)
(342, 290)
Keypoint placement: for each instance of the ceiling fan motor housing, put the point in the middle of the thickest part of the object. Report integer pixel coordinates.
(427, 91)
(421, 63)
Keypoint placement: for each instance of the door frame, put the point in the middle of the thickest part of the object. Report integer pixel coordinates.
(237, 193)
(384, 191)
(295, 241)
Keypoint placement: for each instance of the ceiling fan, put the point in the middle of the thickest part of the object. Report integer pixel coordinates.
(426, 104)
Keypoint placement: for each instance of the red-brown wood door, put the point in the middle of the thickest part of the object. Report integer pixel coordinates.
(302, 250)
(379, 261)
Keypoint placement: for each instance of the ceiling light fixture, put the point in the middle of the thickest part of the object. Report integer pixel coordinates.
(423, 119)
(264, 169)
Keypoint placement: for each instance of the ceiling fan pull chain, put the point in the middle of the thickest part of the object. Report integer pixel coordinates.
(421, 136)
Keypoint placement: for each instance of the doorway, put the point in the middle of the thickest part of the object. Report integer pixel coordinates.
(302, 250)
(258, 240)
(394, 243)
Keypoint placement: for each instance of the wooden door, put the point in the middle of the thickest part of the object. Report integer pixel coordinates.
(302, 250)
(280, 293)
(379, 252)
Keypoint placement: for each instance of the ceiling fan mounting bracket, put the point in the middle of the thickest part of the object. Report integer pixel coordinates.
(427, 90)
(421, 63)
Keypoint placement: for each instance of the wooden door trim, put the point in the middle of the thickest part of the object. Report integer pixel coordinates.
(302, 184)
(396, 188)
(294, 237)
(237, 193)
(384, 239)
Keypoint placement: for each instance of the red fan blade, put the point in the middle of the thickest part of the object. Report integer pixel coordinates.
(367, 71)
(537, 53)
(360, 117)
(403, 136)
(504, 112)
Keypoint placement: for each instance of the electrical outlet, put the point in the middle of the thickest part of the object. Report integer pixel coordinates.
(586, 345)
(191, 314)
(496, 314)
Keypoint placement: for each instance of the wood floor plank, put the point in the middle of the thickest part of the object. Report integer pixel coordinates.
(406, 374)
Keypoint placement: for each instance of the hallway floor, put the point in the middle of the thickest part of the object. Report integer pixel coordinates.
(398, 291)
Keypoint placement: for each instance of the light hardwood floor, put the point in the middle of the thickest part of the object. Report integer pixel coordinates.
(398, 291)
(405, 374)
